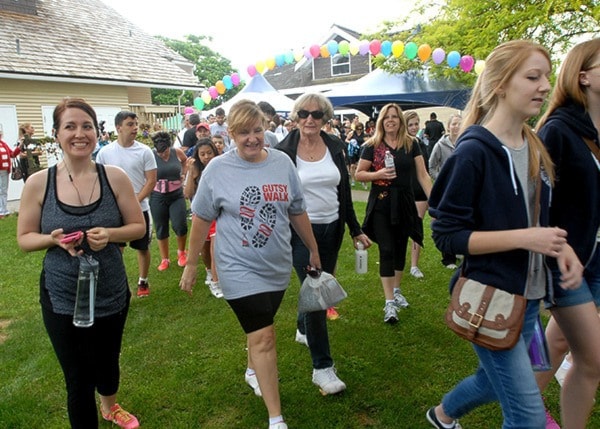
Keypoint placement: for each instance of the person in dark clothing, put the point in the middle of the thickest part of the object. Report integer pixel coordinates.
(434, 130)
(189, 137)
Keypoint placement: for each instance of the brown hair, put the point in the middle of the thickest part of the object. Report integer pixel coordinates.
(500, 67)
(568, 87)
(73, 103)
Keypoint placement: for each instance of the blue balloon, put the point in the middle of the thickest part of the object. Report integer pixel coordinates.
(227, 82)
(386, 48)
(279, 60)
(332, 47)
(453, 59)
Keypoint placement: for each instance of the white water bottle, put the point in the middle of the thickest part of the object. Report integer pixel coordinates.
(389, 161)
(85, 300)
(360, 258)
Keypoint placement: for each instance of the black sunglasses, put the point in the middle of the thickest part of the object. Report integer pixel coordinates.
(316, 114)
(312, 272)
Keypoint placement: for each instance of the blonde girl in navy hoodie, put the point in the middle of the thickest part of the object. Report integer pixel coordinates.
(573, 116)
(482, 204)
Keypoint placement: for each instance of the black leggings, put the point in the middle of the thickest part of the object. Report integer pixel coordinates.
(392, 243)
(89, 358)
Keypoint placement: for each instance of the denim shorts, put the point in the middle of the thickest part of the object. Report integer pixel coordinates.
(588, 291)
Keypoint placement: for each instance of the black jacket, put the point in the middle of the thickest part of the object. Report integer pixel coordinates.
(289, 145)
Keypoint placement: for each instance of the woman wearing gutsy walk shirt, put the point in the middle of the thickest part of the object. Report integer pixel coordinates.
(483, 206)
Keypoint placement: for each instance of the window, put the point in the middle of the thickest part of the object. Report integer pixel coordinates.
(340, 65)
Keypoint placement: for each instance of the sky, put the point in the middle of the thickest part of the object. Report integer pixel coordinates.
(246, 32)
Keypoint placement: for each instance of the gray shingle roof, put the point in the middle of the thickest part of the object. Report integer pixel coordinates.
(87, 40)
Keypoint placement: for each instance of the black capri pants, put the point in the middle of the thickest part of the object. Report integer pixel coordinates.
(391, 239)
(169, 206)
(89, 358)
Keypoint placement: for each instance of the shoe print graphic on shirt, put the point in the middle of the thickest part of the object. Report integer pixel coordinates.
(248, 202)
(267, 216)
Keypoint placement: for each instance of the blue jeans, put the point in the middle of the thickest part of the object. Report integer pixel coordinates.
(505, 376)
(314, 324)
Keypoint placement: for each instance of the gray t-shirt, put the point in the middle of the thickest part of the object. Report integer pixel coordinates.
(251, 203)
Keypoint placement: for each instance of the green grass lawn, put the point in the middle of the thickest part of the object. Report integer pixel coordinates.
(183, 359)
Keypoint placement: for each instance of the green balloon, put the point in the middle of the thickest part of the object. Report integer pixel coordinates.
(410, 50)
(344, 47)
(199, 103)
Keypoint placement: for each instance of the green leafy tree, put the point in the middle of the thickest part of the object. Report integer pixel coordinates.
(476, 27)
(210, 68)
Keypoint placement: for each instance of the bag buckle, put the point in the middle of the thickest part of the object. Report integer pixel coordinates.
(476, 320)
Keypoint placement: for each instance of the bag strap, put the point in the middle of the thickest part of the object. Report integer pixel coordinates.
(594, 148)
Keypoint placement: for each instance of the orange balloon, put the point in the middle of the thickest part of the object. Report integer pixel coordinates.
(424, 52)
(220, 87)
(325, 51)
(270, 63)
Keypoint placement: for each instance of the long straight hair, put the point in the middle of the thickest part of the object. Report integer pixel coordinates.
(568, 88)
(500, 67)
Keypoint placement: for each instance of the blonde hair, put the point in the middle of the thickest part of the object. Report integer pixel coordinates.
(404, 139)
(568, 87)
(500, 67)
(242, 114)
(323, 102)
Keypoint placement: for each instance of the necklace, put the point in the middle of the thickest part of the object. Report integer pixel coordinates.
(77, 189)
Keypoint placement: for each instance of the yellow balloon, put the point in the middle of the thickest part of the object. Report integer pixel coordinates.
(206, 97)
(479, 66)
(270, 63)
(220, 87)
(354, 47)
(424, 52)
(298, 54)
(260, 66)
(397, 48)
(325, 51)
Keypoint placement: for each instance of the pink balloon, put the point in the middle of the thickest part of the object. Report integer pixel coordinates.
(213, 92)
(363, 48)
(375, 47)
(466, 63)
(438, 55)
(315, 51)
(188, 110)
(235, 78)
(251, 70)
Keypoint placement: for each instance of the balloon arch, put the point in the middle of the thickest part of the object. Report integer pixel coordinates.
(376, 47)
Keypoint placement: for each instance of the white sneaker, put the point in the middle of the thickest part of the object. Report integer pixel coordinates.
(208, 277)
(399, 300)
(280, 425)
(451, 266)
(301, 338)
(252, 381)
(328, 381)
(416, 273)
(215, 289)
(562, 370)
(391, 313)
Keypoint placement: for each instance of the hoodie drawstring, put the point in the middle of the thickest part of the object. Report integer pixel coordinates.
(512, 170)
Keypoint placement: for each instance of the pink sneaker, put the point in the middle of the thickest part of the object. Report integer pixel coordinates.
(550, 422)
(181, 258)
(164, 264)
(121, 418)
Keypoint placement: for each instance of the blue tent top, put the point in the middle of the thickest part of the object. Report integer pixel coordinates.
(411, 90)
(258, 83)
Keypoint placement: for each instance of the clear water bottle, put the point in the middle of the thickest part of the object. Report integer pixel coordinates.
(538, 348)
(83, 315)
(360, 258)
(389, 161)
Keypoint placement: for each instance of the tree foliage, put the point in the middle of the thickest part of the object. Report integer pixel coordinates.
(210, 68)
(476, 27)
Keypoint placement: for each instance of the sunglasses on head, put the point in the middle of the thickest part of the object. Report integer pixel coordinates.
(316, 114)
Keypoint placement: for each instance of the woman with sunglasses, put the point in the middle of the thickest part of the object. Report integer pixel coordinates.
(392, 216)
(320, 160)
(570, 130)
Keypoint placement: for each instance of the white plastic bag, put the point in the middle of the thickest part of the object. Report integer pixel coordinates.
(320, 293)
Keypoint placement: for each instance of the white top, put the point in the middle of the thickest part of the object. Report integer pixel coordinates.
(135, 160)
(320, 180)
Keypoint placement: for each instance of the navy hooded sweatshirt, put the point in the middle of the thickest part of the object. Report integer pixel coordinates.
(576, 195)
(478, 190)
